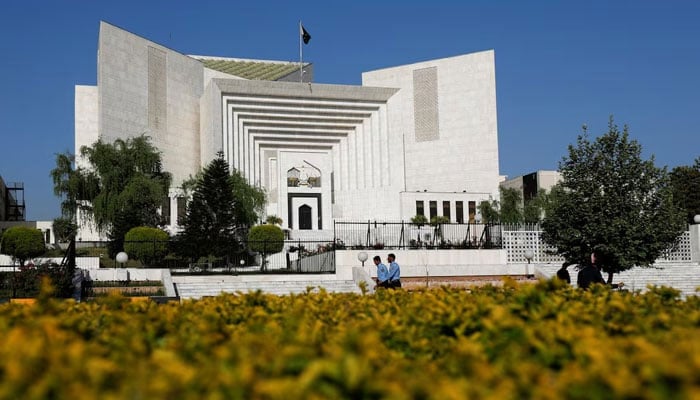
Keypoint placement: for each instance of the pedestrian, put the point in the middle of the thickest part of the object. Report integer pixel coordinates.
(394, 272)
(591, 274)
(382, 273)
(563, 273)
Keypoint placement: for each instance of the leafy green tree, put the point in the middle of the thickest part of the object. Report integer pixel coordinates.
(685, 182)
(123, 187)
(222, 207)
(611, 197)
(147, 244)
(489, 211)
(22, 243)
(536, 208)
(266, 239)
(64, 229)
(419, 219)
(511, 206)
(273, 220)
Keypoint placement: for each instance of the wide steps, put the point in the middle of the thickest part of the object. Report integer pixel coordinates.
(682, 277)
(196, 290)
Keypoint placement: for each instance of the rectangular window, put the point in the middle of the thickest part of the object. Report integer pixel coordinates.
(459, 211)
(420, 210)
(446, 210)
(433, 209)
(472, 211)
(165, 211)
(181, 209)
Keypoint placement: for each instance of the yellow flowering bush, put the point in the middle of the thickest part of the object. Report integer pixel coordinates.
(544, 341)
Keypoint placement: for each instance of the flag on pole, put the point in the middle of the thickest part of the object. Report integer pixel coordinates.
(304, 34)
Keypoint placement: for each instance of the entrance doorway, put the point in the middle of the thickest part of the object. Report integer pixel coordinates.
(305, 217)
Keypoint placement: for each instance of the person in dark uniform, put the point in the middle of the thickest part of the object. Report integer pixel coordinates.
(563, 273)
(590, 273)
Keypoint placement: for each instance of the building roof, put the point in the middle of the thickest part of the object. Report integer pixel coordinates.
(249, 69)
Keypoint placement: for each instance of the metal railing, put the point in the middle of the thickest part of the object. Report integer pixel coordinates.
(407, 235)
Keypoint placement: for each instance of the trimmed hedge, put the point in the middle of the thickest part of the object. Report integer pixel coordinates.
(266, 239)
(22, 243)
(149, 245)
(539, 341)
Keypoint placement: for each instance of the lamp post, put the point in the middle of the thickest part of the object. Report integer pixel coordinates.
(122, 258)
(362, 257)
(529, 255)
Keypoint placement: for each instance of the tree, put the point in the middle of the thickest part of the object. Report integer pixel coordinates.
(266, 239)
(222, 207)
(123, 187)
(511, 206)
(489, 211)
(64, 229)
(419, 219)
(273, 220)
(536, 208)
(146, 244)
(685, 183)
(610, 198)
(22, 243)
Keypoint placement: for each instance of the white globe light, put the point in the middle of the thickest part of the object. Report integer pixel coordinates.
(122, 257)
(362, 256)
(529, 254)
(696, 218)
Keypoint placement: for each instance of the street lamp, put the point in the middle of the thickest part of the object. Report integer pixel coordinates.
(696, 218)
(122, 258)
(529, 255)
(362, 257)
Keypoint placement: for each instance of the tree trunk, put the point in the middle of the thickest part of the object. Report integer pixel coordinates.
(610, 278)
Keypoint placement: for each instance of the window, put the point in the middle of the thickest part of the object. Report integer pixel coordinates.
(472, 211)
(165, 211)
(433, 209)
(459, 210)
(181, 209)
(420, 210)
(446, 210)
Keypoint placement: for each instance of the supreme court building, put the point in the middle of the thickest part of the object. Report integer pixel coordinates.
(418, 138)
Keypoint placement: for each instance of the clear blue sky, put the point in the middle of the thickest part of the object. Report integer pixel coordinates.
(558, 65)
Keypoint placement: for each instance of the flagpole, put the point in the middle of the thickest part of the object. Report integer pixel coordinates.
(301, 57)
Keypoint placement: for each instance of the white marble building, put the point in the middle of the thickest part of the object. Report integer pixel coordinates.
(419, 138)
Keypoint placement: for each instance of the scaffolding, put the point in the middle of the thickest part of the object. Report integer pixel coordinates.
(14, 201)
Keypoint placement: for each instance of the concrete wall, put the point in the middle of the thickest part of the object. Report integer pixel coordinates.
(695, 243)
(146, 88)
(446, 113)
(86, 120)
(419, 263)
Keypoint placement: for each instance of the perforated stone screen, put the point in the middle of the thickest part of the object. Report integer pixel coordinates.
(425, 104)
(157, 91)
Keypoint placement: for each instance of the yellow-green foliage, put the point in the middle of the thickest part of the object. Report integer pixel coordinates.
(540, 341)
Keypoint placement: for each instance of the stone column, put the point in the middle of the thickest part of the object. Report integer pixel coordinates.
(695, 241)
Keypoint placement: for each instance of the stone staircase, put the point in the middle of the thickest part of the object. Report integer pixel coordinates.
(683, 277)
(196, 287)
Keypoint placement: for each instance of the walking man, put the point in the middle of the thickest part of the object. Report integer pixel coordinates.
(382, 273)
(394, 272)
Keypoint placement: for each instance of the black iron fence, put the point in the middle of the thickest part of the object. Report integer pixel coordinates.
(288, 256)
(407, 235)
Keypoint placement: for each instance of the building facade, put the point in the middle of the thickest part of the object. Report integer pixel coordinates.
(419, 138)
(529, 185)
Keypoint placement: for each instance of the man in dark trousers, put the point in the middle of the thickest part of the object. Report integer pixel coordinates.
(394, 272)
(563, 273)
(590, 273)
